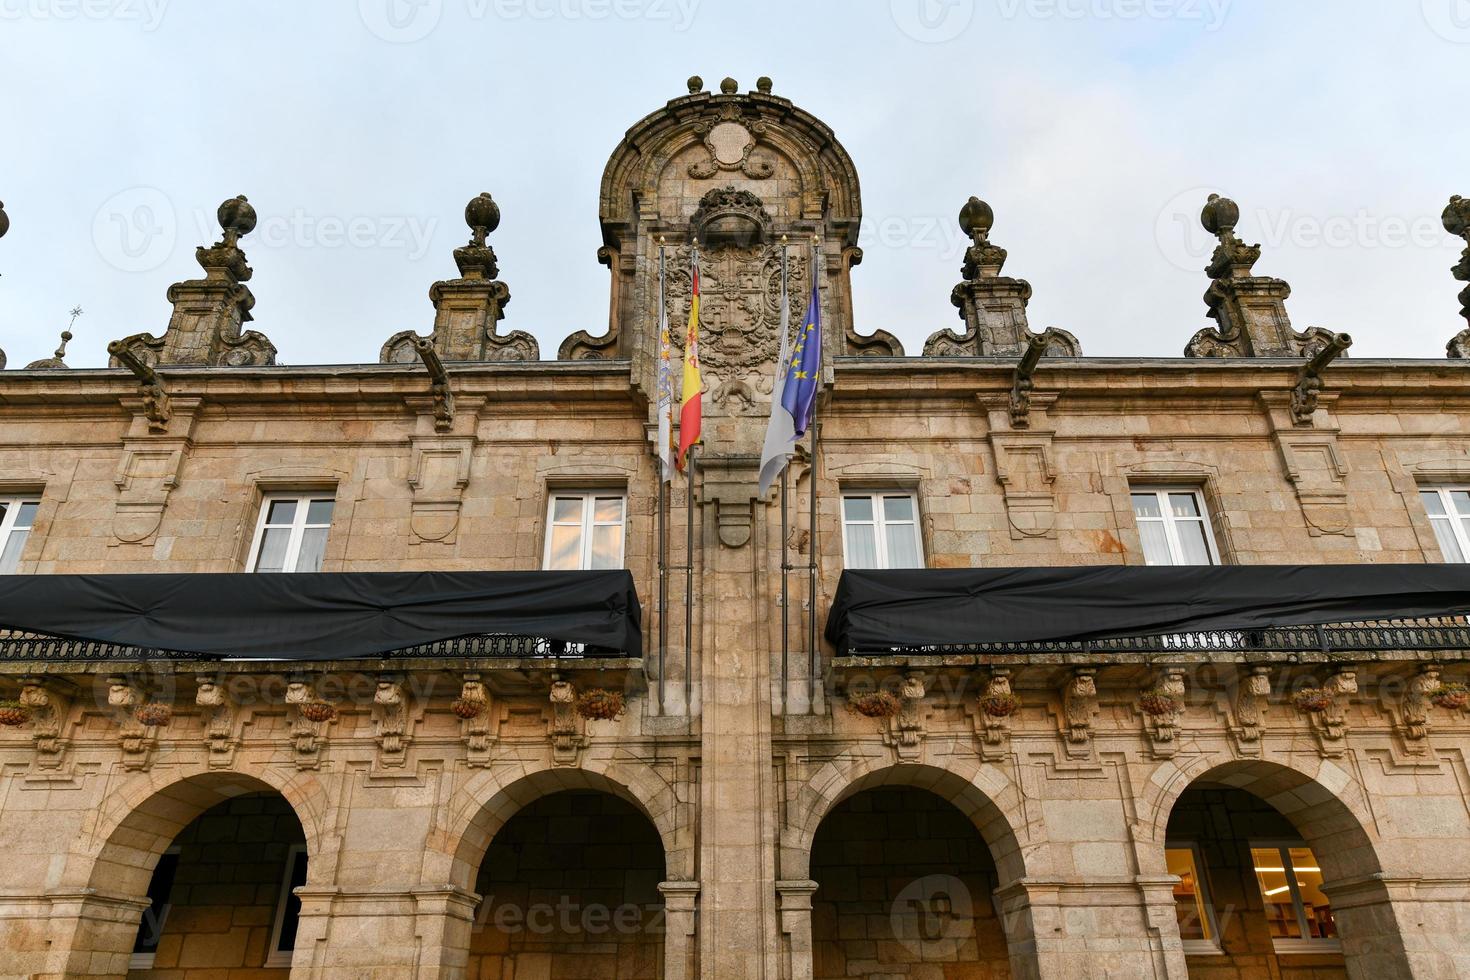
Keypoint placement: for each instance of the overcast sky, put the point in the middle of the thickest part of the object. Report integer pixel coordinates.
(1095, 128)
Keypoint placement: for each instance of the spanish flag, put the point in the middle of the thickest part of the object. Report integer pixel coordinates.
(691, 405)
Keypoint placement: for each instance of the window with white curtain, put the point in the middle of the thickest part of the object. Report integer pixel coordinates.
(881, 530)
(1449, 515)
(1174, 526)
(292, 533)
(585, 531)
(17, 515)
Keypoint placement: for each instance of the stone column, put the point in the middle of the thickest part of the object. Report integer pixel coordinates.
(1096, 926)
(796, 925)
(380, 934)
(87, 933)
(680, 900)
(1395, 928)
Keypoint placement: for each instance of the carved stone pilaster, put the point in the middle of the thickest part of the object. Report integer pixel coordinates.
(1313, 464)
(1252, 701)
(995, 732)
(308, 737)
(730, 483)
(1413, 709)
(148, 471)
(1079, 705)
(217, 715)
(439, 472)
(1025, 470)
(390, 722)
(1249, 311)
(567, 739)
(50, 708)
(477, 731)
(906, 729)
(1457, 222)
(466, 310)
(136, 740)
(992, 306)
(208, 313)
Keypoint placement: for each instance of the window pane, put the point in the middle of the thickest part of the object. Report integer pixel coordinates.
(26, 516)
(862, 546)
(1146, 505)
(608, 510)
(1445, 534)
(1460, 500)
(607, 541)
(1432, 503)
(567, 510)
(858, 508)
(319, 512)
(281, 512)
(1276, 893)
(273, 549)
(1309, 883)
(313, 547)
(1155, 542)
(1192, 543)
(566, 548)
(1189, 899)
(10, 557)
(903, 546)
(1183, 505)
(898, 508)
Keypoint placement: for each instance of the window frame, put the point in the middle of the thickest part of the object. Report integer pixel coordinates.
(588, 521)
(299, 525)
(880, 523)
(14, 503)
(1200, 947)
(1453, 517)
(275, 957)
(145, 961)
(1305, 944)
(1166, 517)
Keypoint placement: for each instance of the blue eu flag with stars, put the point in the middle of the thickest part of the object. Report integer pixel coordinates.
(799, 395)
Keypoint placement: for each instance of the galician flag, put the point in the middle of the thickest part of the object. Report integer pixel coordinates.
(665, 384)
(794, 394)
(691, 407)
(780, 435)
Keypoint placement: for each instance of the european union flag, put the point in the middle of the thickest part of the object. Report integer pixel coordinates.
(799, 395)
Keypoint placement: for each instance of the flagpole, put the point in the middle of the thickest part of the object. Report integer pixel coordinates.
(785, 535)
(690, 463)
(663, 494)
(812, 564)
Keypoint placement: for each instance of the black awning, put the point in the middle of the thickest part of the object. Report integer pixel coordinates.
(326, 615)
(881, 610)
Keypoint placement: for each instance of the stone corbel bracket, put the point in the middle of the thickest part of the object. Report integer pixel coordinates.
(995, 730)
(906, 729)
(308, 737)
(477, 732)
(1252, 700)
(1163, 730)
(390, 722)
(50, 706)
(1079, 705)
(1305, 394)
(567, 739)
(136, 740)
(1330, 724)
(217, 715)
(1413, 709)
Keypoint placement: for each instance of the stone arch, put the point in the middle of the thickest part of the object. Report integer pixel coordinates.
(140, 820)
(989, 799)
(489, 800)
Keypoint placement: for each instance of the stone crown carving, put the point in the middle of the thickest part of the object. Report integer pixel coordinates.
(208, 313)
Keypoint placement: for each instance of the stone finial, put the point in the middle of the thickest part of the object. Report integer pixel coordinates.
(729, 86)
(55, 361)
(763, 85)
(467, 309)
(993, 306)
(1457, 222)
(1249, 310)
(696, 85)
(205, 327)
(4, 220)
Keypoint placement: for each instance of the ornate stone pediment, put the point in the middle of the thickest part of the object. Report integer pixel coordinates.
(730, 217)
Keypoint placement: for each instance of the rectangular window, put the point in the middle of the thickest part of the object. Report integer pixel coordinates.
(17, 514)
(1297, 913)
(1449, 515)
(292, 534)
(584, 531)
(288, 909)
(881, 530)
(1174, 526)
(1191, 901)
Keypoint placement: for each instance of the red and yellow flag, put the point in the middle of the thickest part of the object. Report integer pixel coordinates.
(691, 404)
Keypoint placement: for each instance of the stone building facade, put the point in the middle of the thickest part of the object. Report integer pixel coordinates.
(1233, 810)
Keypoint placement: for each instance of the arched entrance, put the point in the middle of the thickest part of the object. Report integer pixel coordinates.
(199, 876)
(904, 886)
(1263, 853)
(569, 887)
